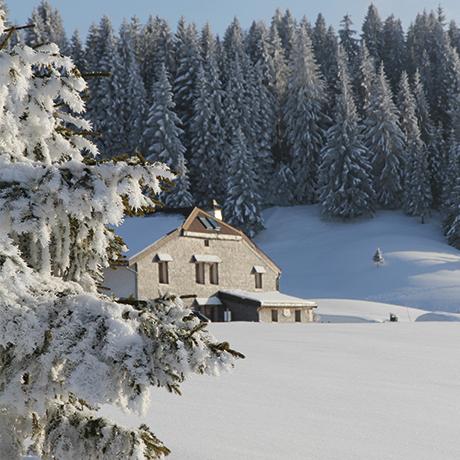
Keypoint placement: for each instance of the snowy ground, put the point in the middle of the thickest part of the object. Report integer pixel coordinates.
(373, 390)
(321, 391)
(334, 260)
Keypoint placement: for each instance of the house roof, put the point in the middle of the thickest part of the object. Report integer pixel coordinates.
(269, 299)
(140, 232)
(145, 234)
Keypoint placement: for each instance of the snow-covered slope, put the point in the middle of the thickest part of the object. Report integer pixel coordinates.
(333, 260)
(321, 392)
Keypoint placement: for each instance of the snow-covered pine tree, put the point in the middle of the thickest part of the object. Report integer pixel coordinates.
(346, 189)
(48, 27)
(242, 201)
(385, 141)
(378, 257)
(156, 45)
(77, 52)
(451, 193)
(280, 72)
(238, 87)
(372, 33)
(433, 139)
(180, 196)
(417, 188)
(394, 50)
(126, 98)
(350, 44)
(325, 45)
(365, 79)
(162, 135)
(65, 349)
(287, 30)
(99, 53)
(187, 56)
(207, 159)
(264, 110)
(304, 118)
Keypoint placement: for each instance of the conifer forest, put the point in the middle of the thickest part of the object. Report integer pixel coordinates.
(358, 119)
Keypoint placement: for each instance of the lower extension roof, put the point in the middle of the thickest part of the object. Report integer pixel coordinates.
(269, 299)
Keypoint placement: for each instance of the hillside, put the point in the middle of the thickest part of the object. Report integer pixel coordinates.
(333, 260)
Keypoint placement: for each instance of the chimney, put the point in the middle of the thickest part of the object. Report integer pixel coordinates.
(216, 210)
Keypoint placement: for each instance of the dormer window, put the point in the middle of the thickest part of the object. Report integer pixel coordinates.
(163, 267)
(258, 272)
(163, 273)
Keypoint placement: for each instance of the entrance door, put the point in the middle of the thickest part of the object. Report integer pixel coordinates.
(298, 316)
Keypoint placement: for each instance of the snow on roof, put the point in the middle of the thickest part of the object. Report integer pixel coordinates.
(140, 232)
(271, 298)
(206, 258)
(202, 301)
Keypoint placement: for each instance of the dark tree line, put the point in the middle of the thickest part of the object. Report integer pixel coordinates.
(290, 112)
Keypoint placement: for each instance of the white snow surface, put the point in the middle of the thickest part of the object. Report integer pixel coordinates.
(320, 392)
(333, 260)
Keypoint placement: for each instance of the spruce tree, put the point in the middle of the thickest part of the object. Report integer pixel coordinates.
(417, 189)
(162, 134)
(242, 202)
(280, 73)
(394, 50)
(100, 52)
(304, 118)
(372, 33)
(208, 136)
(125, 99)
(346, 189)
(187, 57)
(365, 79)
(48, 27)
(433, 139)
(385, 142)
(65, 349)
(77, 52)
(350, 44)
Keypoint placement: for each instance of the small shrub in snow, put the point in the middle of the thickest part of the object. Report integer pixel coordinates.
(378, 257)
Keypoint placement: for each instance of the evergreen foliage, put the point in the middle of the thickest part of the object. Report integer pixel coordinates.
(65, 349)
(276, 82)
(417, 189)
(242, 200)
(345, 173)
(385, 142)
(304, 118)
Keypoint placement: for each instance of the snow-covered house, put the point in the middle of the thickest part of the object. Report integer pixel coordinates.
(216, 268)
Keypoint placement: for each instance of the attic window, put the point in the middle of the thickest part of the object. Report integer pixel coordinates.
(209, 223)
(163, 273)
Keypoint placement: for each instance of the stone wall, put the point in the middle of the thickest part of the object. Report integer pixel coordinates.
(306, 315)
(235, 268)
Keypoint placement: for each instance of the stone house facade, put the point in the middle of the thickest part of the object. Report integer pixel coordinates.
(213, 266)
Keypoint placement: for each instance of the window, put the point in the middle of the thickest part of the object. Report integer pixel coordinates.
(214, 273)
(199, 272)
(258, 278)
(163, 275)
(274, 316)
(206, 243)
(298, 316)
